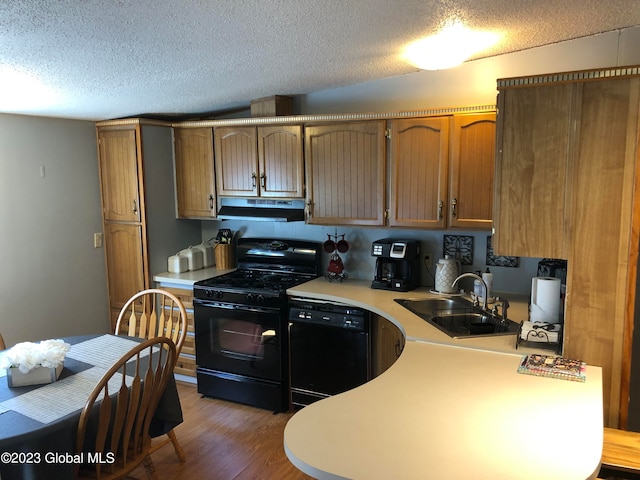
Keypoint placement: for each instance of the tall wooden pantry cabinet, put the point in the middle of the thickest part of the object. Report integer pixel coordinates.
(566, 186)
(138, 206)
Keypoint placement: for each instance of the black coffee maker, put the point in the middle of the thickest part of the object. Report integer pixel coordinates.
(397, 264)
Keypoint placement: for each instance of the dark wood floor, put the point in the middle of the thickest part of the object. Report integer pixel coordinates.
(225, 441)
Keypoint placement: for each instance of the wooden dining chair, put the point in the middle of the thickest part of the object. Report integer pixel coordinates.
(116, 431)
(150, 313)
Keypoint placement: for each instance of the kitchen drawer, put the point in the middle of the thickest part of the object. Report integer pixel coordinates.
(186, 365)
(184, 295)
(190, 327)
(189, 345)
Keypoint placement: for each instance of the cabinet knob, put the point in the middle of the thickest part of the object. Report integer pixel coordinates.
(263, 180)
(211, 201)
(253, 179)
(454, 202)
(135, 207)
(440, 208)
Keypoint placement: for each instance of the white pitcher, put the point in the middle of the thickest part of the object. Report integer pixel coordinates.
(447, 270)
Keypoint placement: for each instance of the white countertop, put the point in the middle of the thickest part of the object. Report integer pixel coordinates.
(360, 294)
(187, 279)
(447, 409)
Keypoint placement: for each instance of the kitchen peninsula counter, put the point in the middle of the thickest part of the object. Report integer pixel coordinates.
(359, 293)
(447, 408)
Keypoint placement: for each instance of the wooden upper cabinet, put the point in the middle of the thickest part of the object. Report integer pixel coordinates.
(262, 161)
(195, 187)
(471, 163)
(419, 156)
(236, 161)
(118, 157)
(346, 173)
(280, 161)
(534, 149)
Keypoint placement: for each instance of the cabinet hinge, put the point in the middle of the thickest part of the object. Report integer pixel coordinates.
(387, 132)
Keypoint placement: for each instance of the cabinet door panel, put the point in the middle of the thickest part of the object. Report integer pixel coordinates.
(535, 134)
(119, 175)
(419, 153)
(281, 161)
(236, 161)
(604, 230)
(472, 170)
(346, 173)
(125, 275)
(194, 172)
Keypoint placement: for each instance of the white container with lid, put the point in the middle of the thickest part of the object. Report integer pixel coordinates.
(178, 263)
(208, 259)
(488, 280)
(194, 258)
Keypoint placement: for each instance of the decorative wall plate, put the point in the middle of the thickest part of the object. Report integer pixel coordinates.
(459, 247)
(499, 261)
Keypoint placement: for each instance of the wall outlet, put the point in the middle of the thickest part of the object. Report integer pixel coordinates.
(428, 259)
(97, 240)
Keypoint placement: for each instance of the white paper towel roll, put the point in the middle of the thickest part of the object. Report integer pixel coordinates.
(545, 300)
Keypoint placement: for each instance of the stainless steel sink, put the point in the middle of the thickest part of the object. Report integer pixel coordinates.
(458, 317)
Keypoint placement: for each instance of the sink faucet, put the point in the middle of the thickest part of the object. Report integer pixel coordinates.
(505, 305)
(477, 277)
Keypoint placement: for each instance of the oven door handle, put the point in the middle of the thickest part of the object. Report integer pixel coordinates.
(233, 306)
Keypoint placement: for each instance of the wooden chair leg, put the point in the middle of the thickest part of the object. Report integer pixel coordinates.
(176, 446)
(149, 468)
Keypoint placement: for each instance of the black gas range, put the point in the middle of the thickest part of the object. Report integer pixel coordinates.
(241, 323)
(249, 287)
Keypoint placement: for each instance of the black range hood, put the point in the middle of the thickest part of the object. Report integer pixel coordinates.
(261, 209)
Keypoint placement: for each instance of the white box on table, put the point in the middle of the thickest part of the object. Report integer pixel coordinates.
(37, 376)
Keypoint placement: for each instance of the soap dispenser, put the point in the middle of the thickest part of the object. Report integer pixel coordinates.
(488, 280)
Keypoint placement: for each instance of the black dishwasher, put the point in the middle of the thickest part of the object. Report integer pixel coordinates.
(329, 349)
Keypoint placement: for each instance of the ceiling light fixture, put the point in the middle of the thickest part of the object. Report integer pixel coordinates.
(450, 47)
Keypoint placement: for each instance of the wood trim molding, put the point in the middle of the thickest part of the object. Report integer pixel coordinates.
(569, 77)
(133, 121)
(296, 119)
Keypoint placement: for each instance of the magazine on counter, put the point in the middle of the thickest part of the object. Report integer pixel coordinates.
(554, 367)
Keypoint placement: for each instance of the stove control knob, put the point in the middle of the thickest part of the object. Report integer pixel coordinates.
(260, 299)
(250, 297)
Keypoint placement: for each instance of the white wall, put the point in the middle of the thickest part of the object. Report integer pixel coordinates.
(52, 280)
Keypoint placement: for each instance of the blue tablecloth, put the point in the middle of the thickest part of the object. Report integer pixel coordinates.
(30, 449)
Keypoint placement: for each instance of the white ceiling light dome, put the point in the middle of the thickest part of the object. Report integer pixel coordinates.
(451, 46)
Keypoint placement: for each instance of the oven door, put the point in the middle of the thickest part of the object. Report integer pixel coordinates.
(239, 339)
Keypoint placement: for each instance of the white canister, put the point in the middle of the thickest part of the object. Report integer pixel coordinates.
(178, 263)
(208, 259)
(194, 258)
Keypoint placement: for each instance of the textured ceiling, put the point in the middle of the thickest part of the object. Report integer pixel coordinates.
(99, 59)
